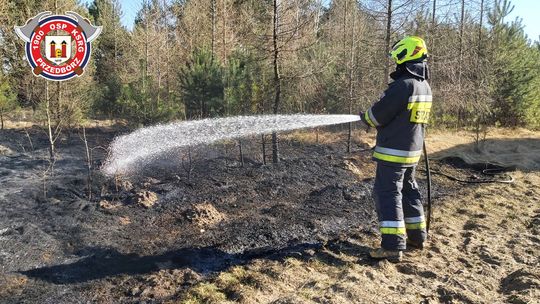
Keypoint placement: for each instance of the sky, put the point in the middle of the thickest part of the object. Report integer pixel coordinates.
(130, 8)
(528, 10)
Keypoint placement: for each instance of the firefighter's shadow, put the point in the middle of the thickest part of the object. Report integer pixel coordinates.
(99, 263)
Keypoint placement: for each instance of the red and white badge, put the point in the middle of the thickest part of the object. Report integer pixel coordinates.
(58, 46)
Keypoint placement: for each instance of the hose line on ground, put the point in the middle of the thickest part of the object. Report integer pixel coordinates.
(508, 180)
(428, 178)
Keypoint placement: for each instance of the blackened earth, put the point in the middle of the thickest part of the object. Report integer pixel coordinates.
(59, 244)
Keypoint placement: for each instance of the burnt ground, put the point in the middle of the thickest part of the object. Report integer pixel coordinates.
(159, 236)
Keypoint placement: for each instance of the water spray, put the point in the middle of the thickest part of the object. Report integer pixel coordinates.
(131, 151)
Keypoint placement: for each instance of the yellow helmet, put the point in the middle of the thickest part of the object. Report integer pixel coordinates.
(408, 49)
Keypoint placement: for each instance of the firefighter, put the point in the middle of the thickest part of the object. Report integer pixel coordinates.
(399, 117)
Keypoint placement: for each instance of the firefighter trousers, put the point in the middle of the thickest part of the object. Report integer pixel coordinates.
(399, 207)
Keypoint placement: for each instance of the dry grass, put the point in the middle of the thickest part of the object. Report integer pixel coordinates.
(88, 123)
(12, 284)
(325, 137)
(517, 148)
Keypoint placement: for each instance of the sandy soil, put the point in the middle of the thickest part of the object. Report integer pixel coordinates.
(297, 232)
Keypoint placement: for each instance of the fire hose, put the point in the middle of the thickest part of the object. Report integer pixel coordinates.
(428, 180)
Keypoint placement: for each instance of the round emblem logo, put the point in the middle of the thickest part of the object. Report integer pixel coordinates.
(58, 46)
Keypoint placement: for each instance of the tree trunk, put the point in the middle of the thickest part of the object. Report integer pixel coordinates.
(277, 78)
(213, 12)
(480, 26)
(460, 64)
(88, 164)
(159, 60)
(387, 42)
(49, 122)
(224, 30)
(50, 133)
(275, 148)
(241, 154)
(479, 47)
(2, 120)
(317, 21)
(146, 52)
(58, 105)
(433, 14)
(461, 29)
(345, 10)
(432, 37)
(351, 75)
(263, 143)
(188, 165)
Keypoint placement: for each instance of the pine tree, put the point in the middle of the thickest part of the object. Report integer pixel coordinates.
(515, 70)
(109, 54)
(202, 86)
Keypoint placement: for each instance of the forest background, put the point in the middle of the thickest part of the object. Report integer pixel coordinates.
(189, 59)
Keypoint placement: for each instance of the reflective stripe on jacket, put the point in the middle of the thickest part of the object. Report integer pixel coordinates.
(399, 116)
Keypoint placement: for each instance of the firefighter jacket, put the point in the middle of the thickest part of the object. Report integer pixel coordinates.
(400, 114)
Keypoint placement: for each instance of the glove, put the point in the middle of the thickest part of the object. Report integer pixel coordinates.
(363, 123)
